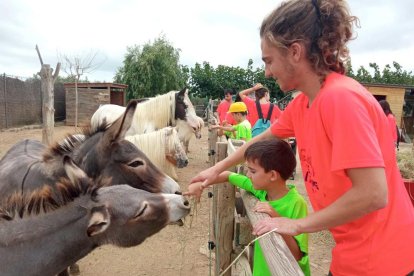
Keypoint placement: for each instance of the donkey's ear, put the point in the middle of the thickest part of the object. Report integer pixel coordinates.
(119, 128)
(99, 221)
(73, 172)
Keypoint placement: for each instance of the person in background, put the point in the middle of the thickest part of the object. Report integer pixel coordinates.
(262, 95)
(347, 157)
(224, 105)
(242, 130)
(391, 121)
(225, 118)
(269, 165)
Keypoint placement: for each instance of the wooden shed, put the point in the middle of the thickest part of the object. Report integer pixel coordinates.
(90, 97)
(394, 94)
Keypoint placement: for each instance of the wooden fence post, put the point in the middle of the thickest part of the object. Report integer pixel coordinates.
(225, 196)
(48, 109)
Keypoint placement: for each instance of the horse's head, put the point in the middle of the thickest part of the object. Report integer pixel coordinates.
(175, 150)
(107, 154)
(128, 216)
(185, 111)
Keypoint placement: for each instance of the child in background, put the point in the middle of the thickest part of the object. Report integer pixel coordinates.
(270, 163)
(242, 130)
(391, 121)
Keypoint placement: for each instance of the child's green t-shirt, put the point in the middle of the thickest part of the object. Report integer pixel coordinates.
(292, 205)
(243, 130)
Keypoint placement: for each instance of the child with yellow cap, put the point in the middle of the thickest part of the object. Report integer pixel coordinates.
(243, 129)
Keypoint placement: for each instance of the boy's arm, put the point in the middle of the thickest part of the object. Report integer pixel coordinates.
(225, 128)
(293, 246)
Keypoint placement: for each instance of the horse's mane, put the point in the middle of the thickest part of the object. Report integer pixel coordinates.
(165, 106)
(47, 198)
(72, 141)
(154, 144)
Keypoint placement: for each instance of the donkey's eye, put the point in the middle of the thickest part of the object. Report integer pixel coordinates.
(136, 163)
(141, 212)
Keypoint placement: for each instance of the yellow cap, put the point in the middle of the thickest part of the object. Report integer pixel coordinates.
(237, 107)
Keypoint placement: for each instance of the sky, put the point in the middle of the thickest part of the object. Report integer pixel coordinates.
(221, 32)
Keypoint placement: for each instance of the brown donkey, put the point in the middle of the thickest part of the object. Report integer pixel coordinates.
(101, 153)
(44, 232)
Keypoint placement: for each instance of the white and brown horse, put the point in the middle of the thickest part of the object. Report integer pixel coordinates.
(154, 113)
(44, 232)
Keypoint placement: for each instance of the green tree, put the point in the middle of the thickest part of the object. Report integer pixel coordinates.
(207, 81)
(152, 69)
(389, 75)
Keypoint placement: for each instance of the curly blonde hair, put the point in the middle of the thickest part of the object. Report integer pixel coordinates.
(324, 26)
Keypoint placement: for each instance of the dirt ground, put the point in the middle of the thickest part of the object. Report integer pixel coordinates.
(175, 250)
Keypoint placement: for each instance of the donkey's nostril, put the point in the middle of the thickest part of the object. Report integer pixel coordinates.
(178, 193)
(186, 162)
(186, 203)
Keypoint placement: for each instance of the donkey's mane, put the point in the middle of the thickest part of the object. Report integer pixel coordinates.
(47, 198)
(72, 141)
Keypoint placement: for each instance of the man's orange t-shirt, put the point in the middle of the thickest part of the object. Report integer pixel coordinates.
(229, 119)
(345, 128)
(253, 115)
(222, 109)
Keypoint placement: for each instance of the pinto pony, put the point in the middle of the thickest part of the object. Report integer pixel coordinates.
(152, 114)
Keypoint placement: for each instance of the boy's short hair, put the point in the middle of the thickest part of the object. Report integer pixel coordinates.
(228, 91)
(273, 154)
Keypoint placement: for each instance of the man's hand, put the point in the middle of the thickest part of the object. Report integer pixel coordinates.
(282, 225)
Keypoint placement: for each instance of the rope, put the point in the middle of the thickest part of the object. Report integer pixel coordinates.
(247, 246)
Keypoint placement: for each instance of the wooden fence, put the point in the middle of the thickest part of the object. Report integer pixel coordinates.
(21, 101)
(231, 229)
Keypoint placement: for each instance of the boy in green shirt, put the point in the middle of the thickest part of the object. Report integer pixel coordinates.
(243, 129)
(270, 163)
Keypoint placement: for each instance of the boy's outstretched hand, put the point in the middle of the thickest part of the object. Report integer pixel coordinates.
(264, 207)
